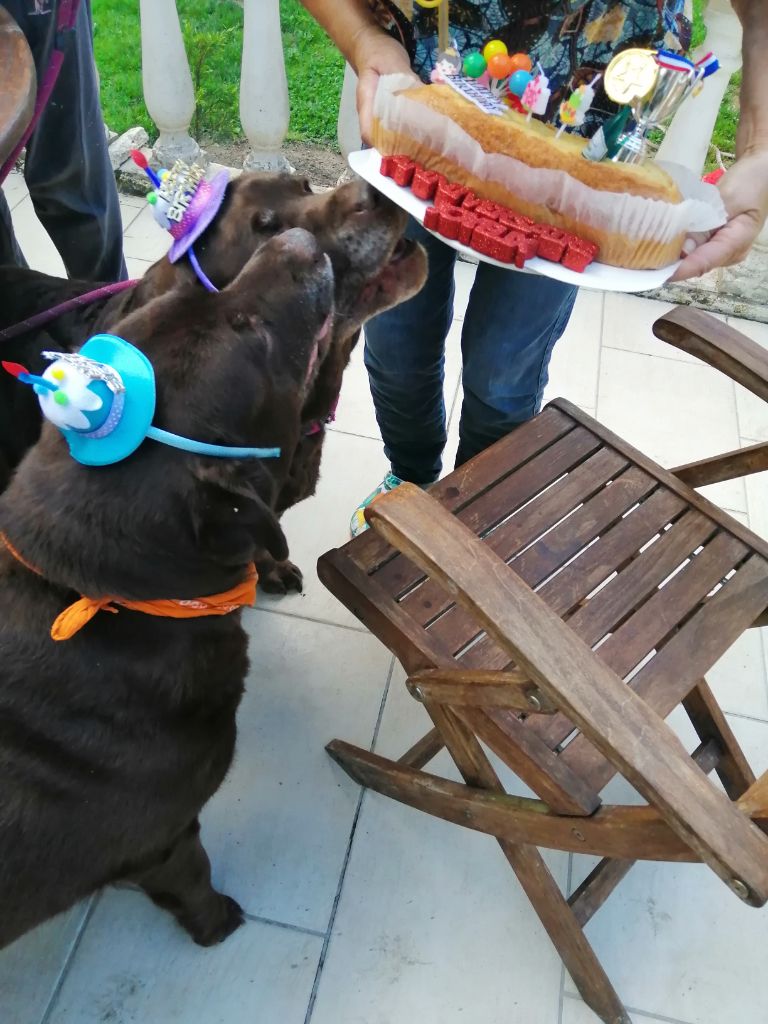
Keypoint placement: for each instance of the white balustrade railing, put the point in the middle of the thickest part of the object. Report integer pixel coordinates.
(264, 102)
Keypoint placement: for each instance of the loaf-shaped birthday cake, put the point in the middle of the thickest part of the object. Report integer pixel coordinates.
(634, 213)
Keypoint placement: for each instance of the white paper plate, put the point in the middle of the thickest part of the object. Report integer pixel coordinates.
(599, 276)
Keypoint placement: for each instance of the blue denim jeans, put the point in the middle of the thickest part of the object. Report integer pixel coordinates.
(510, 327)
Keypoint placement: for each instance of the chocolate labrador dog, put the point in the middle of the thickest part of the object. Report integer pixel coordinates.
(112, 741)
(374, 268)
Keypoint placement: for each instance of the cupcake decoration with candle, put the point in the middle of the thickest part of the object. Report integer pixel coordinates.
(103, 398)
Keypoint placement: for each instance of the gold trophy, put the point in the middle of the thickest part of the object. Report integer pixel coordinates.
(653, 89)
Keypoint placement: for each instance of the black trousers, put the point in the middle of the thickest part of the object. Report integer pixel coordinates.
(67, 168)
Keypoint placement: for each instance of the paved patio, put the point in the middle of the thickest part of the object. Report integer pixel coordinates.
(361, 911)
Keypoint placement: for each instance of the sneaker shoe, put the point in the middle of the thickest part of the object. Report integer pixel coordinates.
(357, 523)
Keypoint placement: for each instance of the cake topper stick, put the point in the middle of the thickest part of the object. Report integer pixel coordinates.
(574, 110)
(22, 374)
(141, 161)
(443, 29)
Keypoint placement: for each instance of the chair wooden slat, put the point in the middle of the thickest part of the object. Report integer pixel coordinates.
(566, 590)
(370, 552)
(663, 612)
(596, 516)
(635, 582)
(614, 547)
(694, 648)
(667, 478)
(597, 513)
(509, 494)
(518, 531)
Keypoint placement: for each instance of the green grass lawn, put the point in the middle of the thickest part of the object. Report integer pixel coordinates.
(213, 37)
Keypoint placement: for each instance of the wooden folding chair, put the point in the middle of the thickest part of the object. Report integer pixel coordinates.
(553, 600)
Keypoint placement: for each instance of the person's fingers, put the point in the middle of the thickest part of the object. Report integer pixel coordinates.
(727, 246)
(366, 91)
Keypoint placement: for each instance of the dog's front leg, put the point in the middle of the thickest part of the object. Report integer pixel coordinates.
(278, 577)
(181, 883)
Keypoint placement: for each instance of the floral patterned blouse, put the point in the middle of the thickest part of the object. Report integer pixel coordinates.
(571, 39)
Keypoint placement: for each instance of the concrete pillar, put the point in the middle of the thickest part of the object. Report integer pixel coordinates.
(264, 105)
(167, 82)
(348, 130)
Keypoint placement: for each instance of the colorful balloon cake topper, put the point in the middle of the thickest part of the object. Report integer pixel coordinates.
(102, 399)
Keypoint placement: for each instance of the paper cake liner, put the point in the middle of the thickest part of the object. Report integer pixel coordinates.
(631, 231)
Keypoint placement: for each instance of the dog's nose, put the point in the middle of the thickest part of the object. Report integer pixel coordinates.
(300, 244)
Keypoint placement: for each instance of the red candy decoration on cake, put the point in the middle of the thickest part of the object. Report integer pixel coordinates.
(487, 227)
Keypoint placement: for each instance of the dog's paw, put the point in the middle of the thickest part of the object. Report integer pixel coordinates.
(227, 920)
(281, 578)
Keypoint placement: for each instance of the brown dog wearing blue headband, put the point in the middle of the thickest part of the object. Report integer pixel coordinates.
(112, 741)
(373, 267)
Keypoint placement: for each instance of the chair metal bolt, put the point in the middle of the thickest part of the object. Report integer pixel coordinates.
(738, 887)
(534, 701)
(417, 693)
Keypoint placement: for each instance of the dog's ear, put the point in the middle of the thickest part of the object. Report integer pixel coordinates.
(239, 506)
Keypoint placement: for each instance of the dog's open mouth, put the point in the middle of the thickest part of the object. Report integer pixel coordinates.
(394, 273)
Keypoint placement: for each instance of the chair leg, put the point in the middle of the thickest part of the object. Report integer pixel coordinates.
(565, 932)
(422, 752)
(710, 723)
(587, 899)
(556, 915)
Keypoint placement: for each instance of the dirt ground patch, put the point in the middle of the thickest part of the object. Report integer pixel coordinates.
(322, 166)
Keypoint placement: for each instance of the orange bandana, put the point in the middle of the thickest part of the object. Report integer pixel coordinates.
(79, 614)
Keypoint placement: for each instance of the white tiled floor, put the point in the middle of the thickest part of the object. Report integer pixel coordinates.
(361, 911)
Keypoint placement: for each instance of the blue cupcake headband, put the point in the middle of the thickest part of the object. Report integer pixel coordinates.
(103, 400)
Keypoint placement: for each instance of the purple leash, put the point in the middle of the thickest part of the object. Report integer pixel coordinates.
(40, 319)
(65, 23)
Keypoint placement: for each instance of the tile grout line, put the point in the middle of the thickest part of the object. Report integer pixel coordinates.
(90, 910)
(748, 718)
(600, 362)
(635, 1009)
(652, 355)
(345, 865)
(600, 354)
(308, 618)
(257, 919)
(351, 433)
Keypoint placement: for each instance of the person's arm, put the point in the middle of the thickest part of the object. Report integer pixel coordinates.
(366, 46)
(744, 187)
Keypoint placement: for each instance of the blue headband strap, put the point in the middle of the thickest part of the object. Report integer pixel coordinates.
(201, 274)
(219, 451)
